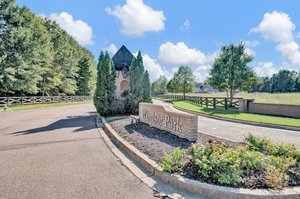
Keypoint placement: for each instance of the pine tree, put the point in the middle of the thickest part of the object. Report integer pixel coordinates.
(146, 88)
(105, 90)
(136, 75)
(83, 79)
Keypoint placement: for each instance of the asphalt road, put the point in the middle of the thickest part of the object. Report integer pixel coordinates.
(58, 153)
(237, 132)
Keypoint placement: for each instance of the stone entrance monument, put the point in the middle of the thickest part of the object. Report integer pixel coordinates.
(184, 125)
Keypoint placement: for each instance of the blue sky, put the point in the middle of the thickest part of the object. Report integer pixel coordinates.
(182, 32)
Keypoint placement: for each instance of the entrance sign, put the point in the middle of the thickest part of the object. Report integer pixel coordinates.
(184, 125)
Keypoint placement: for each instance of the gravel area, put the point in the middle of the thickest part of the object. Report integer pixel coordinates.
(149, 140)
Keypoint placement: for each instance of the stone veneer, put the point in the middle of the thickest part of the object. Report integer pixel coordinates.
(184, 125)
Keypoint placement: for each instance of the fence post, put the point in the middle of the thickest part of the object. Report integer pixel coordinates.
(226, 105)
(201, 101)
(7, 102)
(206, 102)
(214, 101)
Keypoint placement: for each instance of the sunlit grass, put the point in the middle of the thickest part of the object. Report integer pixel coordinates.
(35, 106)
(276, 98)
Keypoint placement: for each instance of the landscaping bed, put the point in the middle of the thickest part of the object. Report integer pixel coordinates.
(149, 140)
(258, 164)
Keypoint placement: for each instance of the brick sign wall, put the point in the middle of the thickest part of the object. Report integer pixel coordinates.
(183, 125)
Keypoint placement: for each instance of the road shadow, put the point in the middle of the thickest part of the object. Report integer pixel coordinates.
(83, 123)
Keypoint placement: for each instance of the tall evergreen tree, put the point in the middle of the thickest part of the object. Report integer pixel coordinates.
(146, 88)
(136, 72)
(85, 81)
(105, 89)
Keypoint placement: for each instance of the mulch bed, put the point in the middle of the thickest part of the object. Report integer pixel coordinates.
(149, 140)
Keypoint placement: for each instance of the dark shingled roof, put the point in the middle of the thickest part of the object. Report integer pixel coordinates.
(122, 58)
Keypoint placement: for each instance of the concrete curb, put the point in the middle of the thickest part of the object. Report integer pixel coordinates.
(239, 121)
(205, 189)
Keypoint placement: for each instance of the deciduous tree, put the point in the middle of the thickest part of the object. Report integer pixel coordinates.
(230, 71)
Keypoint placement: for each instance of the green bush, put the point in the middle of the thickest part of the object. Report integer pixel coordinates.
(225, 165)
(266, 146)
(173, 163)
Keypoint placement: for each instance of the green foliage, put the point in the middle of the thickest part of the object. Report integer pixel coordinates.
(284, 81)
(160, 85)
(173, 163)
(140, 86)
(136, 73)
(230, 71)
(146, 88)
(266, 146)
(37, 57)
(86, 77)
(223, 164)
(183, 80)
(105, 88)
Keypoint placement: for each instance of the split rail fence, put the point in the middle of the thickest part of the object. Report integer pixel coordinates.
(207, 101)
(10, 101)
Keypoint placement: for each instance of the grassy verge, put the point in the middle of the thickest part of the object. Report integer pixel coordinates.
(115, 117)
(235, 114)
(36, 106)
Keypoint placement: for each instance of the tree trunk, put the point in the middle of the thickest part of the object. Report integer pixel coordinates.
(231, 96)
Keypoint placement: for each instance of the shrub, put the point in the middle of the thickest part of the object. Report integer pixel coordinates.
(281, 163)
(263, 145)
(275, 178)
(266, 146)
(223, 164)
(173, 163)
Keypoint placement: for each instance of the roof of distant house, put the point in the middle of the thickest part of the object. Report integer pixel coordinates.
(122, 58)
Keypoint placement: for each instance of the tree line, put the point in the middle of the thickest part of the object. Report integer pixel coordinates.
(37, 57)
(284, 81)
(105, 100)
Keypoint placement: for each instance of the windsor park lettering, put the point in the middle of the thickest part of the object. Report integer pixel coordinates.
(166, 118)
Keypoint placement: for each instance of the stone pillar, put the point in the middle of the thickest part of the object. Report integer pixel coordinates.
(243, 105)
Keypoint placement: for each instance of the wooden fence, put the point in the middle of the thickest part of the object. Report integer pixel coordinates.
(9, 101)
(207, 101)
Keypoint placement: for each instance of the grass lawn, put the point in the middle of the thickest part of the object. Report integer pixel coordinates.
(276, 98)
(235, 114)
(34, 106)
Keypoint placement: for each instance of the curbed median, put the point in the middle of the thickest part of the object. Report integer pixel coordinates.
(205, 189)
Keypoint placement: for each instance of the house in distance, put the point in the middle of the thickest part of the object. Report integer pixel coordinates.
(122, 60)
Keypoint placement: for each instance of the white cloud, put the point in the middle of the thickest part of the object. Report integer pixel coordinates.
(80, 30)
(137, 18)
(111, 48)
(180, 54)
(201, 73)
(265, 69)
(153, 67)
(250, 52)
(277, 26)
(252, 43)
(298, 35)
(185, 26)
(290, 53)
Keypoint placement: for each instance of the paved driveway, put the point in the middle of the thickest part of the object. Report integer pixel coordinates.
(57, 153)
(237, 132)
